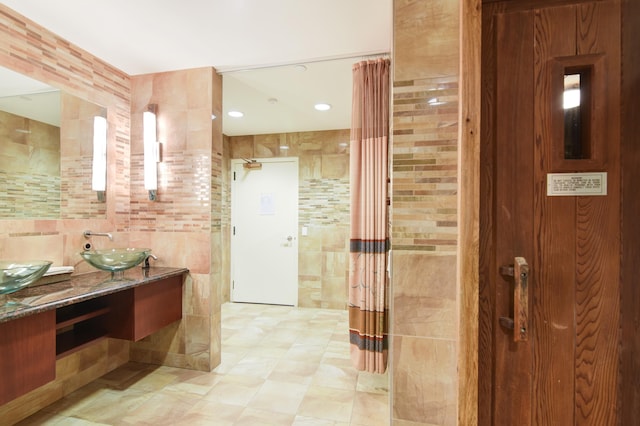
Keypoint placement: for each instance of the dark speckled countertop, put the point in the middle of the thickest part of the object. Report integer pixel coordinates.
(33, 300)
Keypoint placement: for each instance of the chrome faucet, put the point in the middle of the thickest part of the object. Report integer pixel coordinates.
(88, 234)
(146, 265)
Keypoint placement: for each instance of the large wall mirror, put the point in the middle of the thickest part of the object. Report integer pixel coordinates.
(52, 152)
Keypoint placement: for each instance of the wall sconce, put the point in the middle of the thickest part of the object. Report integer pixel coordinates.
(151, 151)
(99, 165)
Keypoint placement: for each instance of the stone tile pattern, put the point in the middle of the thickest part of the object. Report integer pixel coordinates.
(31, 195)
(28, 48)
(79, 201)
(219, 266)
(183, 225)
(217, 192)
(225, 208)
(424, 232)
(225, 222)
(183, 200)
(324, 202)
(425, 165)
(323, 193)
(29, 168)
(185, 185)
(424, 213)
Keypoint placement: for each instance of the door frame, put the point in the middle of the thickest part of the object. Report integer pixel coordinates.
(630, 211)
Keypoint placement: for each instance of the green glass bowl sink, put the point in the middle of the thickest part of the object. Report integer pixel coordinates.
(115, 260)
(15, 275)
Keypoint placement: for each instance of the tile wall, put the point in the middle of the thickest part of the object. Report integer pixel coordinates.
(424, 286)
(225, 222)
(28, 48)
(183, 226)
(424, 213)
(29, 168)
(183, 229)
(41, 161)
(323, 254)
(76, 147)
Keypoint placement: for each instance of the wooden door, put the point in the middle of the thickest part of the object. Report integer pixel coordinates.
(539, 203)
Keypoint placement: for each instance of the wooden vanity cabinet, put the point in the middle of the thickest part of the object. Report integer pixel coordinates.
(30, 345)
(27, 354)
(140, 311)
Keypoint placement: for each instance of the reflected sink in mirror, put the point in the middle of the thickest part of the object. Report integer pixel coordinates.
(115, 260)
(16, 275)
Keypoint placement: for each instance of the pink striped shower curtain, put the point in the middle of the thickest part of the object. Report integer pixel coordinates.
(369, 237)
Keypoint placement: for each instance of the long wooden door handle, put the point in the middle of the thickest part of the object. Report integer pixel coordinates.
(520, 321)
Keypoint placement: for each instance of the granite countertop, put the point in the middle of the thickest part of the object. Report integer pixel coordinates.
(33, 300)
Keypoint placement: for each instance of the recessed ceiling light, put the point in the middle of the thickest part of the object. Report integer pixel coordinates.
(300, 68)
(322, 107)
(235, 114)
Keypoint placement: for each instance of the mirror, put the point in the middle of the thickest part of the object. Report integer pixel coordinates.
(46, 152)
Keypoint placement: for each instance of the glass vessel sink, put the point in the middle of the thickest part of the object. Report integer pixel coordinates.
(15, 275)
(115, 260)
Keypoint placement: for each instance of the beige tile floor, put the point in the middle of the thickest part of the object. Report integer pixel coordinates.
(280, 366)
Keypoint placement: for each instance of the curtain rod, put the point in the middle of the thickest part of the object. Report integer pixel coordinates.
(376, 56)
(361, 57)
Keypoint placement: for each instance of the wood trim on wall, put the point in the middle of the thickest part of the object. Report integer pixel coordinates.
(630, 228)
(469, 209)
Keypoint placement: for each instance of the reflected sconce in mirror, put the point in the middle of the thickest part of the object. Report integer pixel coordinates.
(99, 165)
(151, 151)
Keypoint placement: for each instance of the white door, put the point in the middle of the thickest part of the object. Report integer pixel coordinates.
(264, 223)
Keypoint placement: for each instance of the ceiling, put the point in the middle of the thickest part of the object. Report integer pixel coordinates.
(257, 45)
(26, 97)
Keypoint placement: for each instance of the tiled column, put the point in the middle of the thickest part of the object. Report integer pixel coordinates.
(424, 213)
(183, 226)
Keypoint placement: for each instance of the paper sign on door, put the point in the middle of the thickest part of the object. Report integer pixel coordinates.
(267, 204)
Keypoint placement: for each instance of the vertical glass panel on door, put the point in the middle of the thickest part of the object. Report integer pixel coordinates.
(576, 106)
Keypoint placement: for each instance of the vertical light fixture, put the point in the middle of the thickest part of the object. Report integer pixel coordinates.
(99, 165)
(151, 151)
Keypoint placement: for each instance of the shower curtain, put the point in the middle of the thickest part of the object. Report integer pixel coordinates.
(369, 235)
